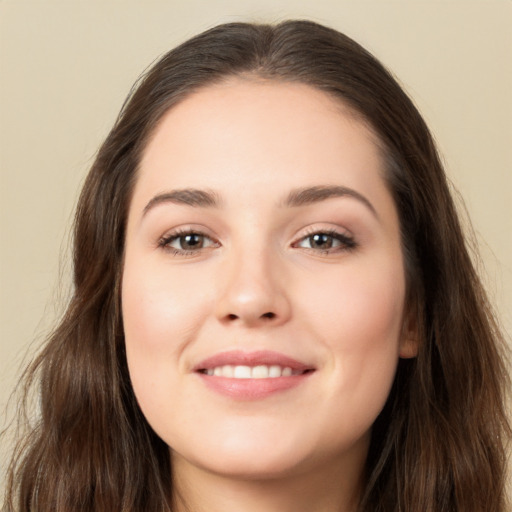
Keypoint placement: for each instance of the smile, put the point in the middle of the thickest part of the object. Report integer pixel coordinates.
(249, 376)
(252, 372)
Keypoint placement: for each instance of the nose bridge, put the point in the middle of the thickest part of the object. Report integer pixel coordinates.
(252, 287)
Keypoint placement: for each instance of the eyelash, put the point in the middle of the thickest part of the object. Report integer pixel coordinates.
(347, 243)
(166, 240)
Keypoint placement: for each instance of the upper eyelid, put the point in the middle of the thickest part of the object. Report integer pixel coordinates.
(332, 233)
(330, 229)
(164, 243)
(343, 235)
(310, 230)
(186, 230)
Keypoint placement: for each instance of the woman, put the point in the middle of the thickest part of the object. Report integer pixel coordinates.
(274, 306)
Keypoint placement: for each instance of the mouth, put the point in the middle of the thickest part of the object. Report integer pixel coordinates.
(254, 375)
(252, 372)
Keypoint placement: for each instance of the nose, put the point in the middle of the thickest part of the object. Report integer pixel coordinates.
(253, 291)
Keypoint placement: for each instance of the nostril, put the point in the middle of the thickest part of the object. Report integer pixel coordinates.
(233, 317)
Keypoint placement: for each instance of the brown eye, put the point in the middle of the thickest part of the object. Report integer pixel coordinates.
(191, 241)
(321, 241)
(326, 242)
(186, 243)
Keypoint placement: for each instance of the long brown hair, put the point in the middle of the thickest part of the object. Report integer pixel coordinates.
(440, 442)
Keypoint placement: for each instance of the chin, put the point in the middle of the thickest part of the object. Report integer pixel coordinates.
(263, 467)
(243, 458)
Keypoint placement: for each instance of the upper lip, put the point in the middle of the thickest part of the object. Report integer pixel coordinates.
(260, 357)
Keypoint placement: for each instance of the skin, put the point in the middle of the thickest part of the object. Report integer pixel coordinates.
(340, 310)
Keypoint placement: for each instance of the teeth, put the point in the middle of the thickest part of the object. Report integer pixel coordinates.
(260, 372)
(274, 371)
(287, 372)
(242, 372)
(252, 372)
(227, 371)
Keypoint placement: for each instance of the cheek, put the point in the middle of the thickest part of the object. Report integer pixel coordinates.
(160, 316)
(361, 319)
(159, 308)
(360, 308)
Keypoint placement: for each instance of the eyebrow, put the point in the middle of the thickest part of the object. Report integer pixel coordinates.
(310, 195)
(186, 196)
(299, 197)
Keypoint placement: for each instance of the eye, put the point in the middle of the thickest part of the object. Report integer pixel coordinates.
(326, 242)
(186, 243)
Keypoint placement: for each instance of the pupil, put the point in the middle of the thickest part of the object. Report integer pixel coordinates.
(191, 241)
(322, 240)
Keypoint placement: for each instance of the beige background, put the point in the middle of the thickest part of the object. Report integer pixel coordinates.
(66, 66)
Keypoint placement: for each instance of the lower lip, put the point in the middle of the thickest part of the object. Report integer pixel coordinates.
(252, 389)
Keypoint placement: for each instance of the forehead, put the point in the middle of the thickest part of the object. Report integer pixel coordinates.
(259, 133)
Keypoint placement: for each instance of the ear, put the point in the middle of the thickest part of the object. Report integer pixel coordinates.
(409, 340)
(408, 348)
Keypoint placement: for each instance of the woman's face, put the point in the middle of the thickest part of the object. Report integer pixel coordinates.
(263, 286)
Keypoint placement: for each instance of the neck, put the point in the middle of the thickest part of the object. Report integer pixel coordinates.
(319, 489)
